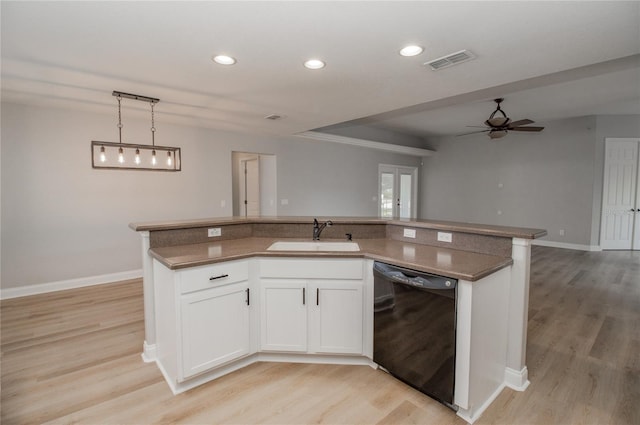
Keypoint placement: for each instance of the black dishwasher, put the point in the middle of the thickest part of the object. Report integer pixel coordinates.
(415, 329)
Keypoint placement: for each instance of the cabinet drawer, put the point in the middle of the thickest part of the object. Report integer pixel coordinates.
(311, 268)
(204, 277)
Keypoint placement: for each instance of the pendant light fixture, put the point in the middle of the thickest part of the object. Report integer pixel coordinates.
(129, 156)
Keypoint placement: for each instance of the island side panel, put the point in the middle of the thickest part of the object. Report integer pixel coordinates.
(149, 344)
(516, 375)
(481, 343)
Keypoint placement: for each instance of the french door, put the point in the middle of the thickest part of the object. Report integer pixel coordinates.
(620, 225)
(398, 191)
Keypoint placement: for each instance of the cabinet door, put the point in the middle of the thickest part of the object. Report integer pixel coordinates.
(336, 317)
(215, 327)
(284, 315)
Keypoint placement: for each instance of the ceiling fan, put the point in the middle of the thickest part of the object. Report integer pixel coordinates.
(498, 124)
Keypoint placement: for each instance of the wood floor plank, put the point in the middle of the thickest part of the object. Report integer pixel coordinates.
(73, 357)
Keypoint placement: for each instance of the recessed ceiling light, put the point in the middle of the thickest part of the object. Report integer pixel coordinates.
(224, 60)
(412, 50)
(314, 64)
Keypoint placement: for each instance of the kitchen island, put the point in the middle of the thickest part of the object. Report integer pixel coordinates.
(188, 274)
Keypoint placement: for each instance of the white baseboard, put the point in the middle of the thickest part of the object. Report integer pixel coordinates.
(189, 383)
(61, 285)
(564, 245)
(472, 415)
(516, 379)
(148, 352)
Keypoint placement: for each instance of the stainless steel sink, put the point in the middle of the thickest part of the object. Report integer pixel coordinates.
(314, 246)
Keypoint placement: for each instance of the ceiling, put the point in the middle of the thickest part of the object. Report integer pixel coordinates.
(549, 60)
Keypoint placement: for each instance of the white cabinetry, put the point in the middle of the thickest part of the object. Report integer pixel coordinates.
(313, 306)
(335, 322)
(283, 325)
(204, 318)
(215, 327)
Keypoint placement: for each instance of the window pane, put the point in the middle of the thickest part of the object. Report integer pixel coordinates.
(405, 195)
(386, 195)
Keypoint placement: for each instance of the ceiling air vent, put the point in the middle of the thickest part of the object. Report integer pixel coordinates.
(450, 60)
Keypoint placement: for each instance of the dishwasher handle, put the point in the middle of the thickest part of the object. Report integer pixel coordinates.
(415, 279)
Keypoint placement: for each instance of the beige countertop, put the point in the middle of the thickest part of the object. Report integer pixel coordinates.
(475, 228)
(443, 261)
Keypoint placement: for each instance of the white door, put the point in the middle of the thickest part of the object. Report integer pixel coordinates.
(620, 225)
(398, 191)
(335, 319)
(250, 186)
(215, 327)
(284, 315)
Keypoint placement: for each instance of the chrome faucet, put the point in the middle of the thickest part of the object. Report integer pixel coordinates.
(318, 228)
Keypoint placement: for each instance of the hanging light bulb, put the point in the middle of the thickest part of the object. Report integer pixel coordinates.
(169, 160)
(103, 155)
(154, 161)
(137, 158)
(120, 156)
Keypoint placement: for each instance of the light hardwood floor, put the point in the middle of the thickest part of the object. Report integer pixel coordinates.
(74, 357)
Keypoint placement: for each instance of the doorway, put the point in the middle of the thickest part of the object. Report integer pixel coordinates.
(254, 184)
(398, 191)
(620, 219)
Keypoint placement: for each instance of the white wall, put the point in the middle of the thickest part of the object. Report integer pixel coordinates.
(63, 220)
(547, 180)
(551, 180)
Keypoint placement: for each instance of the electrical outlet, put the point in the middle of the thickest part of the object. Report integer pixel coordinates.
(561, 232)
(213, 232)
(409, 233)
(444, 237)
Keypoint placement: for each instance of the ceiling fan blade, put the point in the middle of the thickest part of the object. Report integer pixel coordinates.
(519, 123)
(477, 126)
(526, 129)
(473, 132)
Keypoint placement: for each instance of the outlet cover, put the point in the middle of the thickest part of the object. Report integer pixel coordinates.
(444, 237)
(409, 233)
(215, 231)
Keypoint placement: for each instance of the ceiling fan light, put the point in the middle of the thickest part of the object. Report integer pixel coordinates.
(497, 134)
(498, 121)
